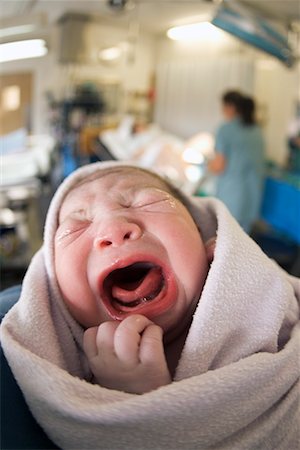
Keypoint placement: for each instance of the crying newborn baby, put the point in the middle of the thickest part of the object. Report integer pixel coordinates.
(131, 264)
(140, 289)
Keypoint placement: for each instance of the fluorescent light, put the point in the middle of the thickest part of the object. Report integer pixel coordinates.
(194, 32)
(109, 54)
(31, 48)
(19, 29)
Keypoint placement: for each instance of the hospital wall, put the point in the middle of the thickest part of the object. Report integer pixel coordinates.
(191, 78)
(49, 75)
(189, 82)
(277, 90)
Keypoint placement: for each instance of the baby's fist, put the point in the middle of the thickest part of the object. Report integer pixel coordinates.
(127, 356)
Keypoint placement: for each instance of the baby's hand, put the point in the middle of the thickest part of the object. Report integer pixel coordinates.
(128, 355)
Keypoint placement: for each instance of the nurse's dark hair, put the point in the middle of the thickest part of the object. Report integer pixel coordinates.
(244, 105)
(170, 188)
(233, 98)
(248, 111)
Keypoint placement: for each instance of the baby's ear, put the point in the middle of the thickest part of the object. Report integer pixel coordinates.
(210, 246)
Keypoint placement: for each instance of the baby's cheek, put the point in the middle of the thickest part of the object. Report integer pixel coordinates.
(193, 266)
(64, 278)
(71, 273)
(68, 271)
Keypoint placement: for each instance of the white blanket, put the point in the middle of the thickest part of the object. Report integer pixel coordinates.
(237, 382)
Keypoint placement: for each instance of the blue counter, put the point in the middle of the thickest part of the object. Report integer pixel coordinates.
(281, 207)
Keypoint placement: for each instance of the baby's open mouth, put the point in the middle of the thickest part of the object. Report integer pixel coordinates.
(134, 285)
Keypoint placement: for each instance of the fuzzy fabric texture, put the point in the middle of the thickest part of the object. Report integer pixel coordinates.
(237, 381)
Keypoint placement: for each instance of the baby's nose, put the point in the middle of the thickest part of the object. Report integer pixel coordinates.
(116, 232)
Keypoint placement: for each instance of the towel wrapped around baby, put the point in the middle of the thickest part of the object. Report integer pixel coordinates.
(236, 385)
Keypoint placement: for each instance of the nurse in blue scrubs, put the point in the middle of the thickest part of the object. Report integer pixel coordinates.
(239, 160)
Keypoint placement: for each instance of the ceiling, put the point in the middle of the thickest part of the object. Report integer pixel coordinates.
(155, 16)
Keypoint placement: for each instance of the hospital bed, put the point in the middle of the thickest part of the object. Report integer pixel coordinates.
(26, 164)
(152, 148)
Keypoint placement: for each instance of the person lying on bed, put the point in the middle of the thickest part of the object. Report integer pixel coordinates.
(149, 319)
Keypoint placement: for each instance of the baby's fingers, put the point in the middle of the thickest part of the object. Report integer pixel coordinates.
(153, 358)
(128, 338)
(151, 347)
(89, 342)
(99, 339)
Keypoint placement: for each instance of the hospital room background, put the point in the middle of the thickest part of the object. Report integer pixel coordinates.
(142, 81)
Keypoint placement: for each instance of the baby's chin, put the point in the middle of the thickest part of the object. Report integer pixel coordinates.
(179, 320)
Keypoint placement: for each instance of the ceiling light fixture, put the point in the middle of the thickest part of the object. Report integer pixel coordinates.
(110, 54)
(31, 48)
(22, 25)
(193, 32)
(19, 29)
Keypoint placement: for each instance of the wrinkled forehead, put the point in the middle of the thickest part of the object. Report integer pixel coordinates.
(120, 180)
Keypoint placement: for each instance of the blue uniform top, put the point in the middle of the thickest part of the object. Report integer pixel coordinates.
(240, 185)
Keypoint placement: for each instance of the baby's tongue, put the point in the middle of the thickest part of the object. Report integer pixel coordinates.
(128, 293)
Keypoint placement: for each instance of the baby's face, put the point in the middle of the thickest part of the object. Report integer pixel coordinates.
(124, 246)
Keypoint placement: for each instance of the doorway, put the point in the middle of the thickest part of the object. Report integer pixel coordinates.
(15, 102)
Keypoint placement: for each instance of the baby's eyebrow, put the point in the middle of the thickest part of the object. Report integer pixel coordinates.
(78, 211)
(70, 213)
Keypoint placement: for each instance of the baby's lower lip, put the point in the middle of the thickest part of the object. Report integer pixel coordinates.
(149, 307)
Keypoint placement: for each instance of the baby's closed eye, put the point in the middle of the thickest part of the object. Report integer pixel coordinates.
(72, 227)
(154, 200)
